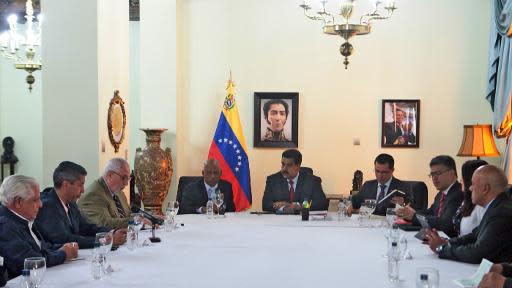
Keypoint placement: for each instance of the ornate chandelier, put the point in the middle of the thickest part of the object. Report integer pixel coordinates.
(346, 29)
(11, 41)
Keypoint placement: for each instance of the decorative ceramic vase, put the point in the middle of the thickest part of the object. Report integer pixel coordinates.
(153, 171)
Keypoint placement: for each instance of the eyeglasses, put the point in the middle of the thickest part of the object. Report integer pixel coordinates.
(436, 174)
(123, 177)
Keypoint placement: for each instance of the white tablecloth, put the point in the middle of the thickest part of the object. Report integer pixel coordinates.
(244, 250)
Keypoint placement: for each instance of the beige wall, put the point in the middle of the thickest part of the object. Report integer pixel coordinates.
(435, 51)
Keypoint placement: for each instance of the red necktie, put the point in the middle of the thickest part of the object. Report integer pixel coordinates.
(441, 202)
(292, 191)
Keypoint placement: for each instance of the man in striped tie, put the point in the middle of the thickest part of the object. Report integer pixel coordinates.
(440, 215)
(103, 202)
(59, 220)
(378, 188)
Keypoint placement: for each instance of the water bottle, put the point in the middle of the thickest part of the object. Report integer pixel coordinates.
(393, 258)
(97, 262)
(209, 209)
(132, 236)
(25, 279)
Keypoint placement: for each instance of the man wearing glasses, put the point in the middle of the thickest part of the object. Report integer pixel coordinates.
(439, 216)
(103, 202)
(59, 220)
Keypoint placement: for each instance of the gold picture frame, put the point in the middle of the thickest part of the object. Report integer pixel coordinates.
(116, 121)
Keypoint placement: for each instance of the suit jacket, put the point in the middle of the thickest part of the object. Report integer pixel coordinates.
(308, 187)
(391, 134)
(195, 196)
(98, 206)
(369, 191)
(58, 227)
(16, 244)
(3, 275)
(451, 204)
(492, 239)
(507, 272)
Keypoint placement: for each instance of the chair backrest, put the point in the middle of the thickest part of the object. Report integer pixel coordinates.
(182, 183)
(306, 170)
(419, 192)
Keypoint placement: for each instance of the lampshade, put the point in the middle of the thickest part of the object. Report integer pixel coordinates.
(478, 141)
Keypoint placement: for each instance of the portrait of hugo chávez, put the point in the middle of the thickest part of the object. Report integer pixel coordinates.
(400, 123)
(275, 119)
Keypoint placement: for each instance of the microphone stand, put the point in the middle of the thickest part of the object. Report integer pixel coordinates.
(153, 238)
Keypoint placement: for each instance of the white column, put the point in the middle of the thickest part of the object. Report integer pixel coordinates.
(85, 59)
(158, 71)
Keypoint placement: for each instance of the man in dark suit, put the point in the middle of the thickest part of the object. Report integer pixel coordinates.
(399, 132)
(196, 195)
(59, 220)
(440, 215)
(492, 239)
(19, 238)
(287, 189)
(379, 188)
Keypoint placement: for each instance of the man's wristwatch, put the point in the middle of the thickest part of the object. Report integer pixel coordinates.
(440, 248)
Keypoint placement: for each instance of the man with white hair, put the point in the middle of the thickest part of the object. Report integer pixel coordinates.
(19, 239)
(103, 202)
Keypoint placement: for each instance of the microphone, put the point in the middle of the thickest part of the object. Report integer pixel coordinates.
(154, 220)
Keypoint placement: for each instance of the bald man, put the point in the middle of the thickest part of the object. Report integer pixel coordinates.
(197, 194)
(492, 239)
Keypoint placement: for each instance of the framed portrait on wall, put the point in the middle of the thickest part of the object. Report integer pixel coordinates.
(276, 119)
(400, 123)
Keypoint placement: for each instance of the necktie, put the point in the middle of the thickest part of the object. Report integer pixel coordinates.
(292, 191)
(381, 193)
(440, 207)
(69, 215)
(118, 206)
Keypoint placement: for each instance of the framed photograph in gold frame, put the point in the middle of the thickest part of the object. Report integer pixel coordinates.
(116, 121)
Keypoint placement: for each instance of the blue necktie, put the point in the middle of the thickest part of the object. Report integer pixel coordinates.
(382, 193)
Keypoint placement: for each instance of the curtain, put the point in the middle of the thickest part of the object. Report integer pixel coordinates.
(500, 74)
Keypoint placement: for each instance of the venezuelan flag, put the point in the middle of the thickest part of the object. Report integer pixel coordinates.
(229, 148)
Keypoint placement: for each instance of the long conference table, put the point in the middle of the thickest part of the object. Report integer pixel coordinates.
(247, 250)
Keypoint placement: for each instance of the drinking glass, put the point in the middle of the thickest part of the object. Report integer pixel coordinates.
(138, 222)
(37, 267)
(391, 216)
(173, 207)
(402, 246)
(427, 277)
(363, 213)
(104, 240)
(170, 214)
(342, 210)
(371, 204)
(348, 201)
(218, 200)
